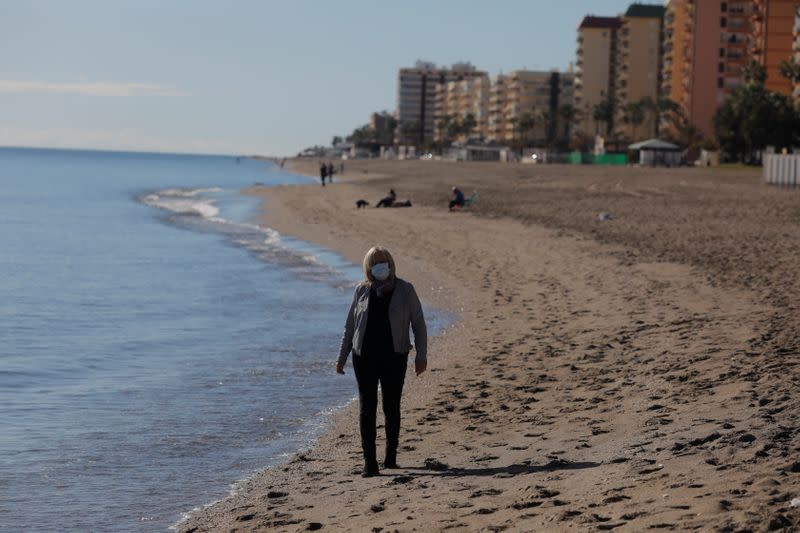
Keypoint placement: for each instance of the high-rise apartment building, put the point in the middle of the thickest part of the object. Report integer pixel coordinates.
(796, 49)
(535, 97)
(416, 97)
(772, 39)
(595, 69)
(705, 52)
(638, 65)
(457, 100)
(498, 97)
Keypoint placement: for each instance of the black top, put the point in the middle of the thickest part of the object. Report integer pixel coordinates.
(378, 335)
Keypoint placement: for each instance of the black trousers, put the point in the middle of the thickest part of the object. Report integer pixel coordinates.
(390, 370)
(454, 203)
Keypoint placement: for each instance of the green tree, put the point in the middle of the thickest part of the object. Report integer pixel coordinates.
(548, 119)
(679, 129)
(754, 72)
(663, 108)
(363, 137)
(603, 112)
(633, 114)
(453, 129)
(409, 132)
(468, 124)
(336, 140)
(567, 115)
(790, 69)
(753, 118)
(526, 122)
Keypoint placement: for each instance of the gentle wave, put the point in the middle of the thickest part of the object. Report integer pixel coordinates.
(177, 201)
(198, 209)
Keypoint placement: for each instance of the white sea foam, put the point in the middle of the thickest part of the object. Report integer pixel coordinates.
(198, 206)
(182, 204)
(189, 192)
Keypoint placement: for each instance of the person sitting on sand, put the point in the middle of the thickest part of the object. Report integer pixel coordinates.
(387, 201)
(377, 334)
(457, 199)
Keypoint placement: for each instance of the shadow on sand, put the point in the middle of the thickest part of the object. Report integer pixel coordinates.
(440, 469)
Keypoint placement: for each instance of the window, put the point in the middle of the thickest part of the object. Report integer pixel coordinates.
(722, 67)
(720, 83)
(723, 22)
(721, 52)
(723, 6)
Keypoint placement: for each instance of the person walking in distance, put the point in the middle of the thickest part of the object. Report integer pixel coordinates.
(376, 330)
(331, 172)
(323, 173)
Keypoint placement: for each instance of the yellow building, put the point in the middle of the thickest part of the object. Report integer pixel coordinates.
(498, 96)
(595, 69)
(638, 64)
(524, 97)
(416, 98)
(457, 100)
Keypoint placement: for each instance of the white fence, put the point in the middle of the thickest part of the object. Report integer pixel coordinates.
(782, 169)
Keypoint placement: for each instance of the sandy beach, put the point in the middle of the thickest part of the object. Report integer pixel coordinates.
(624, 354)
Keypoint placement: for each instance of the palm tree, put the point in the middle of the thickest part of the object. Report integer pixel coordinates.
(569, 114)
(681, 131)
(664, 107)
(633, 114)
(526, 123)
(468, 124)
(409, 131)
(548, 120)
(443, 126)
(603, 112)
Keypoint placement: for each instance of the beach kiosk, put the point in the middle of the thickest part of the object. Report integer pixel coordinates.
(654, 152)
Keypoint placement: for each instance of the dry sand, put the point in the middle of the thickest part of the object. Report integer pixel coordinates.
(633, 373)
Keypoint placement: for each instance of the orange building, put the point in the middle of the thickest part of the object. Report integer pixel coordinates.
(772, 39)
(705, 51)
(796, 49)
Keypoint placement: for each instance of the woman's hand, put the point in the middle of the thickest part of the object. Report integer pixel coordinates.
(339, 368)
(420, 366)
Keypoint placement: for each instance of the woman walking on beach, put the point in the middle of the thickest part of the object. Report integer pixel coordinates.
(377, 332)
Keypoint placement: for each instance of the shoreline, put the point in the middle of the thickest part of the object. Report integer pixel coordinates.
(515, 405)
(275, 216)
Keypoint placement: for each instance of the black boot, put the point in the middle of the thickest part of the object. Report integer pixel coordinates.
(390, 459)
(370, 468)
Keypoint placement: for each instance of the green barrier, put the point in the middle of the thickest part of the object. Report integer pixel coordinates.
(578, 158)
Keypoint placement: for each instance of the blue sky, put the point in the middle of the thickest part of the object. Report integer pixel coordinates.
(247, 77)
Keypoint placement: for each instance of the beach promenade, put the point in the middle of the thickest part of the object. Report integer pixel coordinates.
(624, 354)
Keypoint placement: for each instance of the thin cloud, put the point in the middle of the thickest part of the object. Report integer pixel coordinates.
(117, 139)
(99, 88)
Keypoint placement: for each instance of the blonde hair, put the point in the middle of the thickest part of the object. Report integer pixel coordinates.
(375, 255)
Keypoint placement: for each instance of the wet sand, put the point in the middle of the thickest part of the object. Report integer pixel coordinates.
(633, 371)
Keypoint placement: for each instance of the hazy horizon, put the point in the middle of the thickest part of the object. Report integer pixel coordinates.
(260, 79)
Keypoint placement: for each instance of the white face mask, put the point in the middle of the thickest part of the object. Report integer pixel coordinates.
(380, 271)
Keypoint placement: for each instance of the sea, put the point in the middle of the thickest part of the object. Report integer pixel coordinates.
(156, 345)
